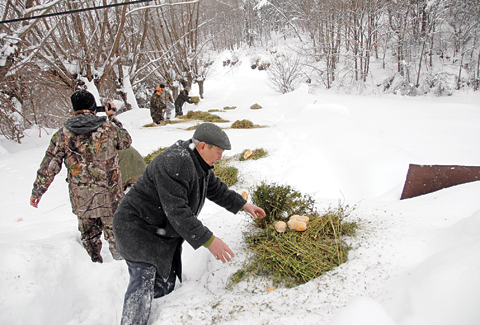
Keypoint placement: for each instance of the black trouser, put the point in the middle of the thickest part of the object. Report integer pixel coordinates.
(179, 107)
(144, 285)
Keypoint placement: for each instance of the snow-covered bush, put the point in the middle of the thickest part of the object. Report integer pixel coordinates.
(11, 122)
(442, 84)
(399, 86)
(285, 72)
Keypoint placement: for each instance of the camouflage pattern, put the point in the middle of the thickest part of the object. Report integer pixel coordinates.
(93, 170)
(157, 107)
(91, 230)
(94, 176)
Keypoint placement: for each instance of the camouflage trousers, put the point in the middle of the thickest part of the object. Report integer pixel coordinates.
(91, 231)
(157, 114)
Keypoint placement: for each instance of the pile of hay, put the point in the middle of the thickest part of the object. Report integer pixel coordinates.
(292, 258)
(204, 116)
(148, 158)
(227, 173)
(244, 124)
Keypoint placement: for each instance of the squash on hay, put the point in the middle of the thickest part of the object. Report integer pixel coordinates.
(247, 154)
(280, 226)
(297, 225)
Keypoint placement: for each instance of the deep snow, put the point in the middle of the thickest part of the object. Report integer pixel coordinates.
(414, 262)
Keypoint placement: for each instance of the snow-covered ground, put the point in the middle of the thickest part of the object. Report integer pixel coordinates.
(414, 262)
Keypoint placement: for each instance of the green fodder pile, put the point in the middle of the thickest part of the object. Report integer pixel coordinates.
(280, 202)
(228, 174)
(148, 158)
(203, 116)
(292, 258)
(243, 124)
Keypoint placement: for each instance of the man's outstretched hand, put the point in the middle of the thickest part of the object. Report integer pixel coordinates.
(255, 211)
(220, 250)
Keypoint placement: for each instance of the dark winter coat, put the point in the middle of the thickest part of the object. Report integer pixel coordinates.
(88, 145)
(182, 98)
(161, 209)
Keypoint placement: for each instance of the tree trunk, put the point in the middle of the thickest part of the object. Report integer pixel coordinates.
(200, 87)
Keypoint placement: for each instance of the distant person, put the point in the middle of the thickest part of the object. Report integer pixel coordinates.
(157, 106)
(87, 144)
(181, 99)
(161, 211)
(168, 100)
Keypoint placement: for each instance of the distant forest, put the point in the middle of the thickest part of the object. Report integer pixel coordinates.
(50, 48)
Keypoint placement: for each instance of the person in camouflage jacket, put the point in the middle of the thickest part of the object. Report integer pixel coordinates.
(87, 144)
(157, 106)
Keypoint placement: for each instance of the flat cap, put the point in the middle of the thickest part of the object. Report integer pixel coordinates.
(212, 134)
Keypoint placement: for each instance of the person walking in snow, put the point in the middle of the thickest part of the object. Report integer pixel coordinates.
(157, 106)
(161, 211)
(181, 99)
(87, 144)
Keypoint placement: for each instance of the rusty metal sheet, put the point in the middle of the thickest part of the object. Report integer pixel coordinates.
(423, 179)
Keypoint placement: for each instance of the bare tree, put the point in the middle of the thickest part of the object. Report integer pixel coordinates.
(15, 57)
(463, 19)
(285, 72)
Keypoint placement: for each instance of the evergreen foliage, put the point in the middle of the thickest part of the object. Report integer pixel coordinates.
(292, 258)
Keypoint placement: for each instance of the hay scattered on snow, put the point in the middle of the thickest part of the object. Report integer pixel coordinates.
(204, 116)
(245, 124)
(227, 173)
